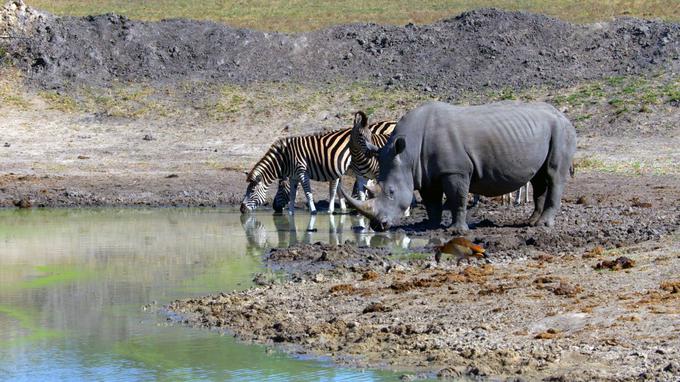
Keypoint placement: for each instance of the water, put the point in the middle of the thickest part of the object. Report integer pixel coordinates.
(74, 283)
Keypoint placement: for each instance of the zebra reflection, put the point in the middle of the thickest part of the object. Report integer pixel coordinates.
(289, 233)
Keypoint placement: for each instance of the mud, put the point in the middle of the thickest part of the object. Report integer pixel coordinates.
(470, 51)
(579, 302)
(526, 319)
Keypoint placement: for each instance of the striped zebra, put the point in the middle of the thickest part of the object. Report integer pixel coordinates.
(364, 146)
(323, 157)
(508, 198)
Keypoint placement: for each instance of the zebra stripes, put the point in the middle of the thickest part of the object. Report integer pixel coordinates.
(323, 157)
(363, 146)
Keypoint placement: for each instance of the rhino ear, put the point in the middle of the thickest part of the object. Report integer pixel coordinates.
(360, 119)
(399, 145)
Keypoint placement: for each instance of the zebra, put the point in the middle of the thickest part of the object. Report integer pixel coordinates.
(320, 157)
(508, 198)
(364, 146)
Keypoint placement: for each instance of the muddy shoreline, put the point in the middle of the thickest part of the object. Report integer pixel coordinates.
(595, 298)
(546, 317)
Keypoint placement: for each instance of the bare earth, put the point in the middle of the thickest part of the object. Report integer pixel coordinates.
(548, 316)
(98, 126)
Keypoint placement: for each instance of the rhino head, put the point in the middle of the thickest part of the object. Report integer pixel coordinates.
(394, 189)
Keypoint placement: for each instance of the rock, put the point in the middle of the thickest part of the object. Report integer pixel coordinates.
(23, 203)
(672, 368)
(583, 200)
(547, 335)
(671, 286)
(148, 137)
(621, 262)
(376, 307)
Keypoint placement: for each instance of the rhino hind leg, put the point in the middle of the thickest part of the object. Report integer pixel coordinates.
(549, 185)
(456, 188)
(540, 186)
(553, 199)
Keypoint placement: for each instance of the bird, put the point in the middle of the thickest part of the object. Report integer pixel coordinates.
(461, 248)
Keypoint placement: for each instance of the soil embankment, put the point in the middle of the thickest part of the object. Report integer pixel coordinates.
(480, 48)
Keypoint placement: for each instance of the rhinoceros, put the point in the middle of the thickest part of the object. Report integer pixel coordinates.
(442, 149)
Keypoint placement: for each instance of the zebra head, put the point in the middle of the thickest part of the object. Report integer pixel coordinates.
(361, 141)
(267, 169)
(256, 194)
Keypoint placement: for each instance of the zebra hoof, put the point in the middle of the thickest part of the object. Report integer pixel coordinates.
(313, 212)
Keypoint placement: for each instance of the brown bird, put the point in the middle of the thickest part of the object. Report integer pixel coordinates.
(461, 248)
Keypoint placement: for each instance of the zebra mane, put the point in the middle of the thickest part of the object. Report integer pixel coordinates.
(277, 147)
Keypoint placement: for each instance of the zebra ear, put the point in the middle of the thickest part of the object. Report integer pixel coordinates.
(360, 120)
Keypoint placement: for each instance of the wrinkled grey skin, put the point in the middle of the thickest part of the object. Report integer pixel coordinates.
(490, 150)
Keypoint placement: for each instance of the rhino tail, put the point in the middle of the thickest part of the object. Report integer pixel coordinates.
(572, 171)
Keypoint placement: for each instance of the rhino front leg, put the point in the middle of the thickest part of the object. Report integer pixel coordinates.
(432, 200)
(456, 188)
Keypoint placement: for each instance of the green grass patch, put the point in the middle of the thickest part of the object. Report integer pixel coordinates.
(59, 101)
(11, 89)
(632, 167)
(622, 94)
(305, 15)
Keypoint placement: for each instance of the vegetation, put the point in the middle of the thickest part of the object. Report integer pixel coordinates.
(630, 94)
(11, 89)
(303, 15)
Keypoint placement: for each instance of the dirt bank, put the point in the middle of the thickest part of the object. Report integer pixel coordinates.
(549, 316)
(480, 48)
(595, 298)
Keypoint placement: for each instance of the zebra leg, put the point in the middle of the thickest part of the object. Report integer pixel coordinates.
(332, 194)
(304, 179)
(361, 187)
(526, 193)
(293, 193)
(343, 205)
(518, 196)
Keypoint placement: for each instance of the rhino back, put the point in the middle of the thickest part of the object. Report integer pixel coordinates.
(500, 145)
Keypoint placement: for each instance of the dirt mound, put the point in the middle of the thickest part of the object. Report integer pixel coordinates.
(484, 47)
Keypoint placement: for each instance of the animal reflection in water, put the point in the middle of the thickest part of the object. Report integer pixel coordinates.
(341, 229)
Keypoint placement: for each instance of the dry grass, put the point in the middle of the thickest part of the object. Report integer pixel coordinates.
(11, 89)
(299, 15)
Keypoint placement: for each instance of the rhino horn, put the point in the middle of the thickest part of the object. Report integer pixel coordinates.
(366, 207)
